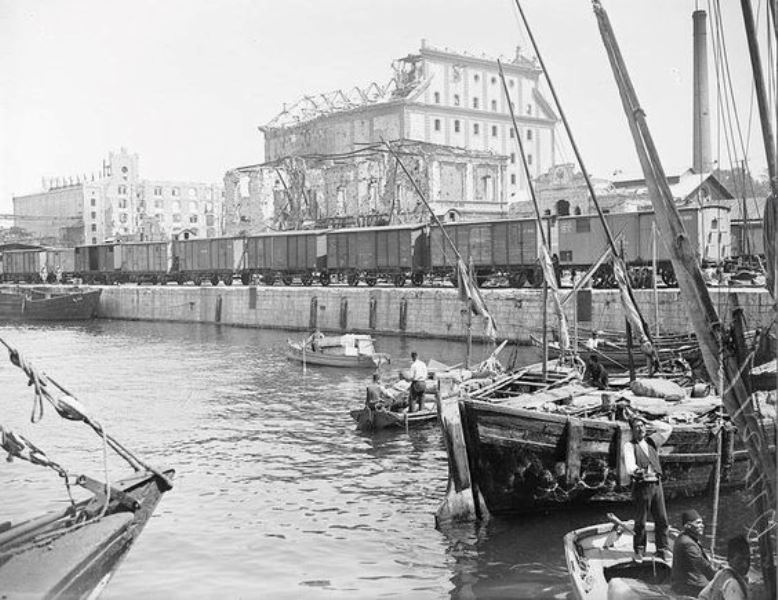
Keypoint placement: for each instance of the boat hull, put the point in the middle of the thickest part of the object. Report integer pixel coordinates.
(76, 562)
(331, 360)
(68, 306)
(375, 420)
(524, 461)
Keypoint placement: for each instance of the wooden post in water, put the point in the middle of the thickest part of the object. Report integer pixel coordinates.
(545, 329)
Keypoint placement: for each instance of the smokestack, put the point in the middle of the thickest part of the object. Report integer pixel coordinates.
(701, 138)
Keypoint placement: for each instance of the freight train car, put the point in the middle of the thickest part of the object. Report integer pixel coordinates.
(393, 253)
(581, 242)
(285, 256)
(38, 265)
(211, 259)
(132, 262)
(506, 248)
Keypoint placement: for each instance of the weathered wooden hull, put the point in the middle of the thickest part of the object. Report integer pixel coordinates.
(69, 306)
(75, 562)
(375, 420)
(524, 461)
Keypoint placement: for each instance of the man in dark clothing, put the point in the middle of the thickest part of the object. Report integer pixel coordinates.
(641, 462)
(692, 569)
(595, 373)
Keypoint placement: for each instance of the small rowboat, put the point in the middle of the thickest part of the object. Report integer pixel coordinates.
(369, 419)
(73, 553)
(601, 565)
(349, 350)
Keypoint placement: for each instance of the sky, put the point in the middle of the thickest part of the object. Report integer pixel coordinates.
(186, 83)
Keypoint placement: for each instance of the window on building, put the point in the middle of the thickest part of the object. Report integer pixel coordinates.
(158, 191)
(476, 77)
(123, 218)
(529, 135)
(487, 185)
(513, 158)
(529, 159)
(122, 202)
(577, 210)
(176, 218)
(714, 224)
(94, 215)
(122, 190)
(511, 133)
(437, 124)
(494, 105)
(513, 178)
(494, 80)
(175, 191)
(93, 202)
(510, 83)
(456, 126)
(475, 102)
(529, 109)
(494, 130)
(193, 218)
(476, 129)
(209, 207)
(437, 97)
(94, 227)
(562, 208)
(456, 99)
(94, 240)
(209, 220)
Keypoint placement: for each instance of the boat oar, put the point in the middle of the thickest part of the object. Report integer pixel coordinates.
(624, 526)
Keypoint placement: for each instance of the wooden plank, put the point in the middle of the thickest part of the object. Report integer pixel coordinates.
(575, 433)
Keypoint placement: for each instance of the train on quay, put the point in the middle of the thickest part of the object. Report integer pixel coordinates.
(419, 254)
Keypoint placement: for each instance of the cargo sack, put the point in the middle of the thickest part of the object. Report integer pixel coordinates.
(657, 388)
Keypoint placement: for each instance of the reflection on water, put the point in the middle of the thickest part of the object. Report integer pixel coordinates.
(276, 493)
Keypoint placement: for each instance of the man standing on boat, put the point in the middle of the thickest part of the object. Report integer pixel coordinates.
(692, 569)
(641, 461)
(418, 383)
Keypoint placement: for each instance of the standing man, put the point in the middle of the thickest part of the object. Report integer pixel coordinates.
(692, 569)
(418, 382)
(641, 461)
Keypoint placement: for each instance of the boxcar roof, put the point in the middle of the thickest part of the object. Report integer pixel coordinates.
(379, 228)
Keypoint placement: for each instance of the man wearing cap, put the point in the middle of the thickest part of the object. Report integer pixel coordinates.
(692, 569)
(641, 462)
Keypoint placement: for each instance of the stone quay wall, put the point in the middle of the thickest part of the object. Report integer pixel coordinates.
(420, 312)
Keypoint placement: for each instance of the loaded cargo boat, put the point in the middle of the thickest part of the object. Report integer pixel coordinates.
(44, 304)
(348, 350)
(552, 449)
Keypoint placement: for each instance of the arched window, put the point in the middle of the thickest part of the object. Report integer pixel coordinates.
(577, 210)
(563, 208)
(714, 224)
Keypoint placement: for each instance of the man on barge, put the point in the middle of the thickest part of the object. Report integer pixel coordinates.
(641, 461)
(418, 373)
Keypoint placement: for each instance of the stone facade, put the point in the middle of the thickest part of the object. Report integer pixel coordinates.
(436, 96)
(365, 187)
(117, 204)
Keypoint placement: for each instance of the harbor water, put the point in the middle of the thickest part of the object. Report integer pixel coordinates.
(276, 494)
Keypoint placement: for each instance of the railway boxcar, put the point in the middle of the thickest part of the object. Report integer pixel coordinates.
(507, 247)
(98, 263)
(143, 261)
(581, 242)
(393, 252)
(210, 259)
(23, 265)
(286, 255)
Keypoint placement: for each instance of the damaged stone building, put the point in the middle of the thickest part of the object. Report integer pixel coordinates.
(446, 109)
(365, 187)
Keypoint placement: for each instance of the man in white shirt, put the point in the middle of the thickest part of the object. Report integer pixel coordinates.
(418, 383)
(641, 461)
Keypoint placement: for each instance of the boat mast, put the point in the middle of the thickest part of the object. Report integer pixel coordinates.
(702, 312)
(631, 309)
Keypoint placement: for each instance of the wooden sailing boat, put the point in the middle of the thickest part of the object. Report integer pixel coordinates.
(73, 553)
(720, 360)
